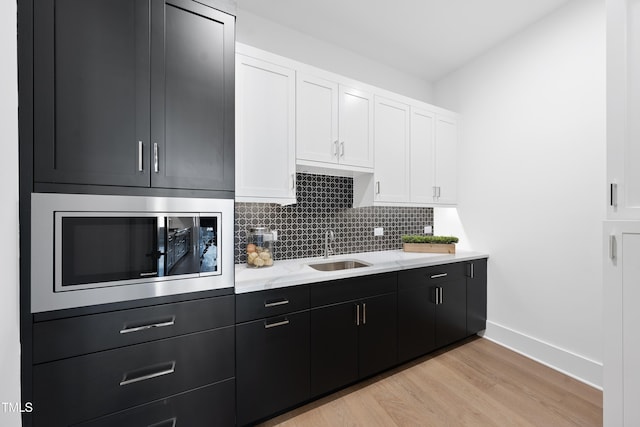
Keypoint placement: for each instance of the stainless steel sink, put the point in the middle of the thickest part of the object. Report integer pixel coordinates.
(338, 265)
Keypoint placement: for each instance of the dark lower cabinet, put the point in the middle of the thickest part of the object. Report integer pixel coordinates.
(476, 296)
(212, 405)
(356, 338)
(272, 365)
(440, 305)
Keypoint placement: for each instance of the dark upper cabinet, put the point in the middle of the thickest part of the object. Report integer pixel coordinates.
(133, 93)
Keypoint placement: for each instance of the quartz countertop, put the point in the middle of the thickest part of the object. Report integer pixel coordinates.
(293, 272)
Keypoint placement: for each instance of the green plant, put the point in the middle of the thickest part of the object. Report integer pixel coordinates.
(429, 239)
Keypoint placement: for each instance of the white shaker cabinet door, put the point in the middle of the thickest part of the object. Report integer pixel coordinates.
(621, 370)
(623, 109)
(355, 129)
(265, 131)
(422, 156)
(391, 137)
(446, 161)
(317, 119)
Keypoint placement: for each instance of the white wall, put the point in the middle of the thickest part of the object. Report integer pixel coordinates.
(9, 313)
(532, 163)
(258, 32)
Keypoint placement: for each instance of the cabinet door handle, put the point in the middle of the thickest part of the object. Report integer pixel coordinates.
(613, 247)
(293, 181)
(441, 295)
(436, 298)
(471, 270)
(434, 192)
(156, 168)
(148, 373)
(335, 148)
(140, 151)
(162, 323)
(436, 276)
(613, 195)
(357, 314)
(274, 303)
(364, 313)
(342, 149)
(377, 187)
(276, 324)
(166, 423)
(439, 188)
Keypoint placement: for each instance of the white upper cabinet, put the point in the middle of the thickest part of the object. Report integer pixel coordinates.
(445, 189)
(334, 125)
(422, 163)
(392, 133)
(265, 132)
(623, 109)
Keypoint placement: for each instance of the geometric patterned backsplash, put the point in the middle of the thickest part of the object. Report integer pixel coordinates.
(324, 203)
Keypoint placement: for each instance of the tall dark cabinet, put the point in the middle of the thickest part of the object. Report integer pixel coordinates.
(133, 93)
(127, 97)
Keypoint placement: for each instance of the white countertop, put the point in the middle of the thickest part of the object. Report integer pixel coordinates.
(293, 272)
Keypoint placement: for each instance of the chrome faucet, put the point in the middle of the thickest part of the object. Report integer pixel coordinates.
(328, 236)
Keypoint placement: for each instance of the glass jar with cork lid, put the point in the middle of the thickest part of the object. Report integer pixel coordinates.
(260, 247)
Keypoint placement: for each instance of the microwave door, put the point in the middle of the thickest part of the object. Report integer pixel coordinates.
(181, 237)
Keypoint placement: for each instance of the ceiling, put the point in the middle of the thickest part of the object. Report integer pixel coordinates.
(424, 38)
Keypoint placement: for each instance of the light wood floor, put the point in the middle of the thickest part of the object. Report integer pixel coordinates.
(478, 383)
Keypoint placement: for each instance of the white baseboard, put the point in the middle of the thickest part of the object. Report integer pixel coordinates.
(571, 364)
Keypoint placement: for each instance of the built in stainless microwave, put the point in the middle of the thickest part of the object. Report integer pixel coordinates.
(96, 249)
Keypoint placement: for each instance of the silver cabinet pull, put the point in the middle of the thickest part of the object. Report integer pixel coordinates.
(283, 301)
(437, 295)
(149, 274)
(140, 150)
(377, 187)
(164, 369)
(171, 422)
(293, 181)
(276, 324)
(335, 148)
(471, 270)
(441, 295)
(342, 149)
(613, 247)
(434, 192)
(436, 276)
(364, 313)
(614, 195)
(439, 188)
(156, 169)
(161, 324)
(357, 314)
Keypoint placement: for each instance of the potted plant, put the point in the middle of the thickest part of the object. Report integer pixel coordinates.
(429, 244)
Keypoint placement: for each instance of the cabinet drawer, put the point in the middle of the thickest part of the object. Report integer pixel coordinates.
(273, 302)
(81, 388)
(351, 289)
(212, 405)
(59, 339)
(410, 279)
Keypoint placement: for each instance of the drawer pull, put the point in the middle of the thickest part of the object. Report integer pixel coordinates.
(166, 423)
(127, 329)
(148, 373)
(276, 324)
(437, 276)
(283, 301)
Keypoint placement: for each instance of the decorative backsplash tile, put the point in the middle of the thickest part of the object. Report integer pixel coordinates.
(324, 203)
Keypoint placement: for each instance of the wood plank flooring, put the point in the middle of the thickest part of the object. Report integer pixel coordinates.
(476, 383)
